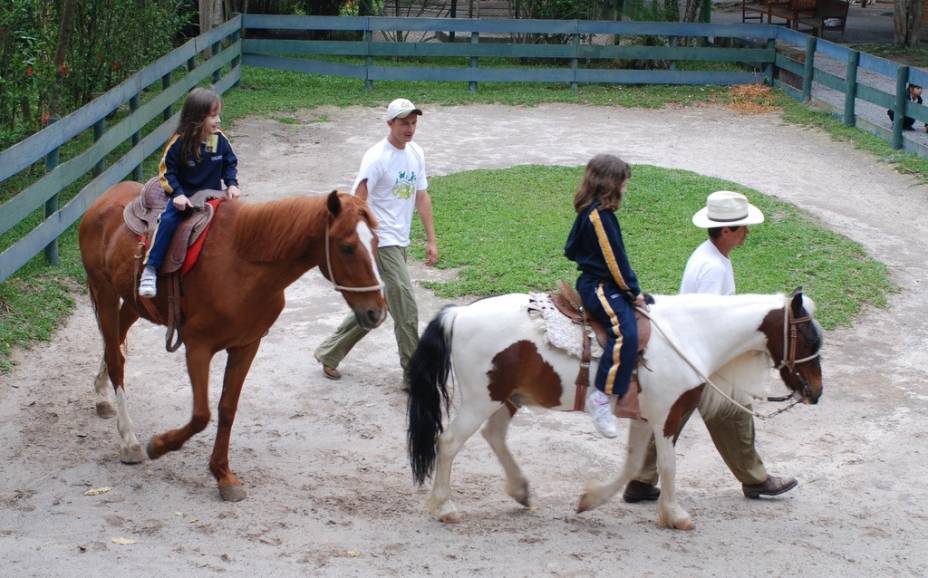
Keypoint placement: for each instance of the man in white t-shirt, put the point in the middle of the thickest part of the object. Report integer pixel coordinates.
(726, 217)
(392, 179)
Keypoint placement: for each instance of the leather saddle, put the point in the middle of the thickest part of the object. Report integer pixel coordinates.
(141, 217)
(568, 302)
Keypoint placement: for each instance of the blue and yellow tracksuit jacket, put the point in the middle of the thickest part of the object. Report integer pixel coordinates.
(608, 287)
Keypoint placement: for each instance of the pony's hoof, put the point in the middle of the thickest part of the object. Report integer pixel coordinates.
(105, 409)
(153, 450)
(132, 455)
(521, 494)
(233, 493)
(684, 523)
(450, 518)
(587, 502)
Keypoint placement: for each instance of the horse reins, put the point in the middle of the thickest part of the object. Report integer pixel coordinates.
(790, 338)
(328, 265)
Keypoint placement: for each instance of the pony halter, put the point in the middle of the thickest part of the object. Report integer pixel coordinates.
(790, 339)
(328, 265)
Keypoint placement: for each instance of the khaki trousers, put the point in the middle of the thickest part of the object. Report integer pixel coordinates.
(401, 302)
(733, 436)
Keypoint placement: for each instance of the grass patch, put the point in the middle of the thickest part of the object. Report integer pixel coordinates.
(506, 229)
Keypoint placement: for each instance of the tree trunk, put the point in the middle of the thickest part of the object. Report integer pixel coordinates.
(65, 30)
(907, 18)
(211, 14)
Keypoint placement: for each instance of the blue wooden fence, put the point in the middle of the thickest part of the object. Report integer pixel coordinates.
(568, 52)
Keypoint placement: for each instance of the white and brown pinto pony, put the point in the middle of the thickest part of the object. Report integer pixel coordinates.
(501, 360)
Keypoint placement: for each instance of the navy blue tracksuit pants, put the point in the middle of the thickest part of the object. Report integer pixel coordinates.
(170, 219)
(604, 301)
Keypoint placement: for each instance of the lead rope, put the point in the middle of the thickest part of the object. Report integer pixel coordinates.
(328, 266)
(709, 381)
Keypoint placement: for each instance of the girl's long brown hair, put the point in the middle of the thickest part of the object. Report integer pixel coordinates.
(602, 181)
(198, 105)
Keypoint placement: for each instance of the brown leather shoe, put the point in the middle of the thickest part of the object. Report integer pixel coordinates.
(772, 486)
(637, 491)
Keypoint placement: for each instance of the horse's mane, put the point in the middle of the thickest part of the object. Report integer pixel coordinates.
(278, 230)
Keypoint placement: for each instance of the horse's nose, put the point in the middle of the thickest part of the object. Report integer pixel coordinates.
(376, 316)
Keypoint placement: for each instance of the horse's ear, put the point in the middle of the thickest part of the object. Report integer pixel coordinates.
(333, 203)
(797, 301)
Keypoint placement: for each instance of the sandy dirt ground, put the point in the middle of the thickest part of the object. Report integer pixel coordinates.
(330, 491)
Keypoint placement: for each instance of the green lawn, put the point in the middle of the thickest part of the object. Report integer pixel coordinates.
(506, 230)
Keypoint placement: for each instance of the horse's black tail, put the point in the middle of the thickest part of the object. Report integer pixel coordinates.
(428, 376)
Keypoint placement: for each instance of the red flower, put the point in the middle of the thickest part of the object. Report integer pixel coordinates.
(63, 70)
(28, 71)
(45, 118)
(116, 66)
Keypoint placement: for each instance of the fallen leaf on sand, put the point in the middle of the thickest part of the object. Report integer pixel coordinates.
(124, 541)
(97, 491)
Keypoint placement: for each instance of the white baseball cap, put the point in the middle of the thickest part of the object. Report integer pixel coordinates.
(727, 209)
(401, 108)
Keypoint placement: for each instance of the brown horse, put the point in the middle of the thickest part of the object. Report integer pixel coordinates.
(230, 298)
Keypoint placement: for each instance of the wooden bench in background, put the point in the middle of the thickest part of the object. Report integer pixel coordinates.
(790, 11)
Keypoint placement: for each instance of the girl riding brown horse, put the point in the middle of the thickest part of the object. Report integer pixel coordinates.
(230, 298)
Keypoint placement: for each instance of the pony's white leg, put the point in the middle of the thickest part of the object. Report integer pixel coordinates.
(104, 393)
(495, 434)
(466, 422)
(669, 512)
(130, 450)
(598, 494)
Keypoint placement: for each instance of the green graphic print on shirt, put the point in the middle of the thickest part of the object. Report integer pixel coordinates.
(405, 184)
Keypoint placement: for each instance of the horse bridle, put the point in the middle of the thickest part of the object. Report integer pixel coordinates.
(790, 342)
(328, 266)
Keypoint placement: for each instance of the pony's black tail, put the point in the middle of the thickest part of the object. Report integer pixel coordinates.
(428, 376)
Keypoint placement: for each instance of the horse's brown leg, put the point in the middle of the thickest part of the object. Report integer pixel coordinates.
(237, 366)
(198, 359)
(106, 305)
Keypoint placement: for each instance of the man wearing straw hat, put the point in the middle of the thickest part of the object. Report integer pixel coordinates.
(726, 217)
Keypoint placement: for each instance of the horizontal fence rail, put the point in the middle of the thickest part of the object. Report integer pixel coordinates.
(45, 190)
(570, 41)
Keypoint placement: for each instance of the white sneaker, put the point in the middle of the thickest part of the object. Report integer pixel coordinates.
(148, 284)
(599, 406)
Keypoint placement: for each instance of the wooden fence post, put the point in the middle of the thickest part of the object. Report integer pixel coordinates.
(808, 69)
(850, 88)
(902, 95)
(166, 84)
(133, 106)
(368, 60)
(769, 66)
(474, 61)
(99, 128)
(51, 205)
(217, 74)
(575, 44)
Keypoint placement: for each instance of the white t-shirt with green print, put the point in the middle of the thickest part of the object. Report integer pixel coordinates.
(393, 178)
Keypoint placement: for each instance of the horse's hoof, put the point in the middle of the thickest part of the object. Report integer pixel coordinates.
(132, 455)
(152, 450)
(450, 518)
(521, 494)
(105, 409)
(587, 502)
(233, 493)
(684, 524)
